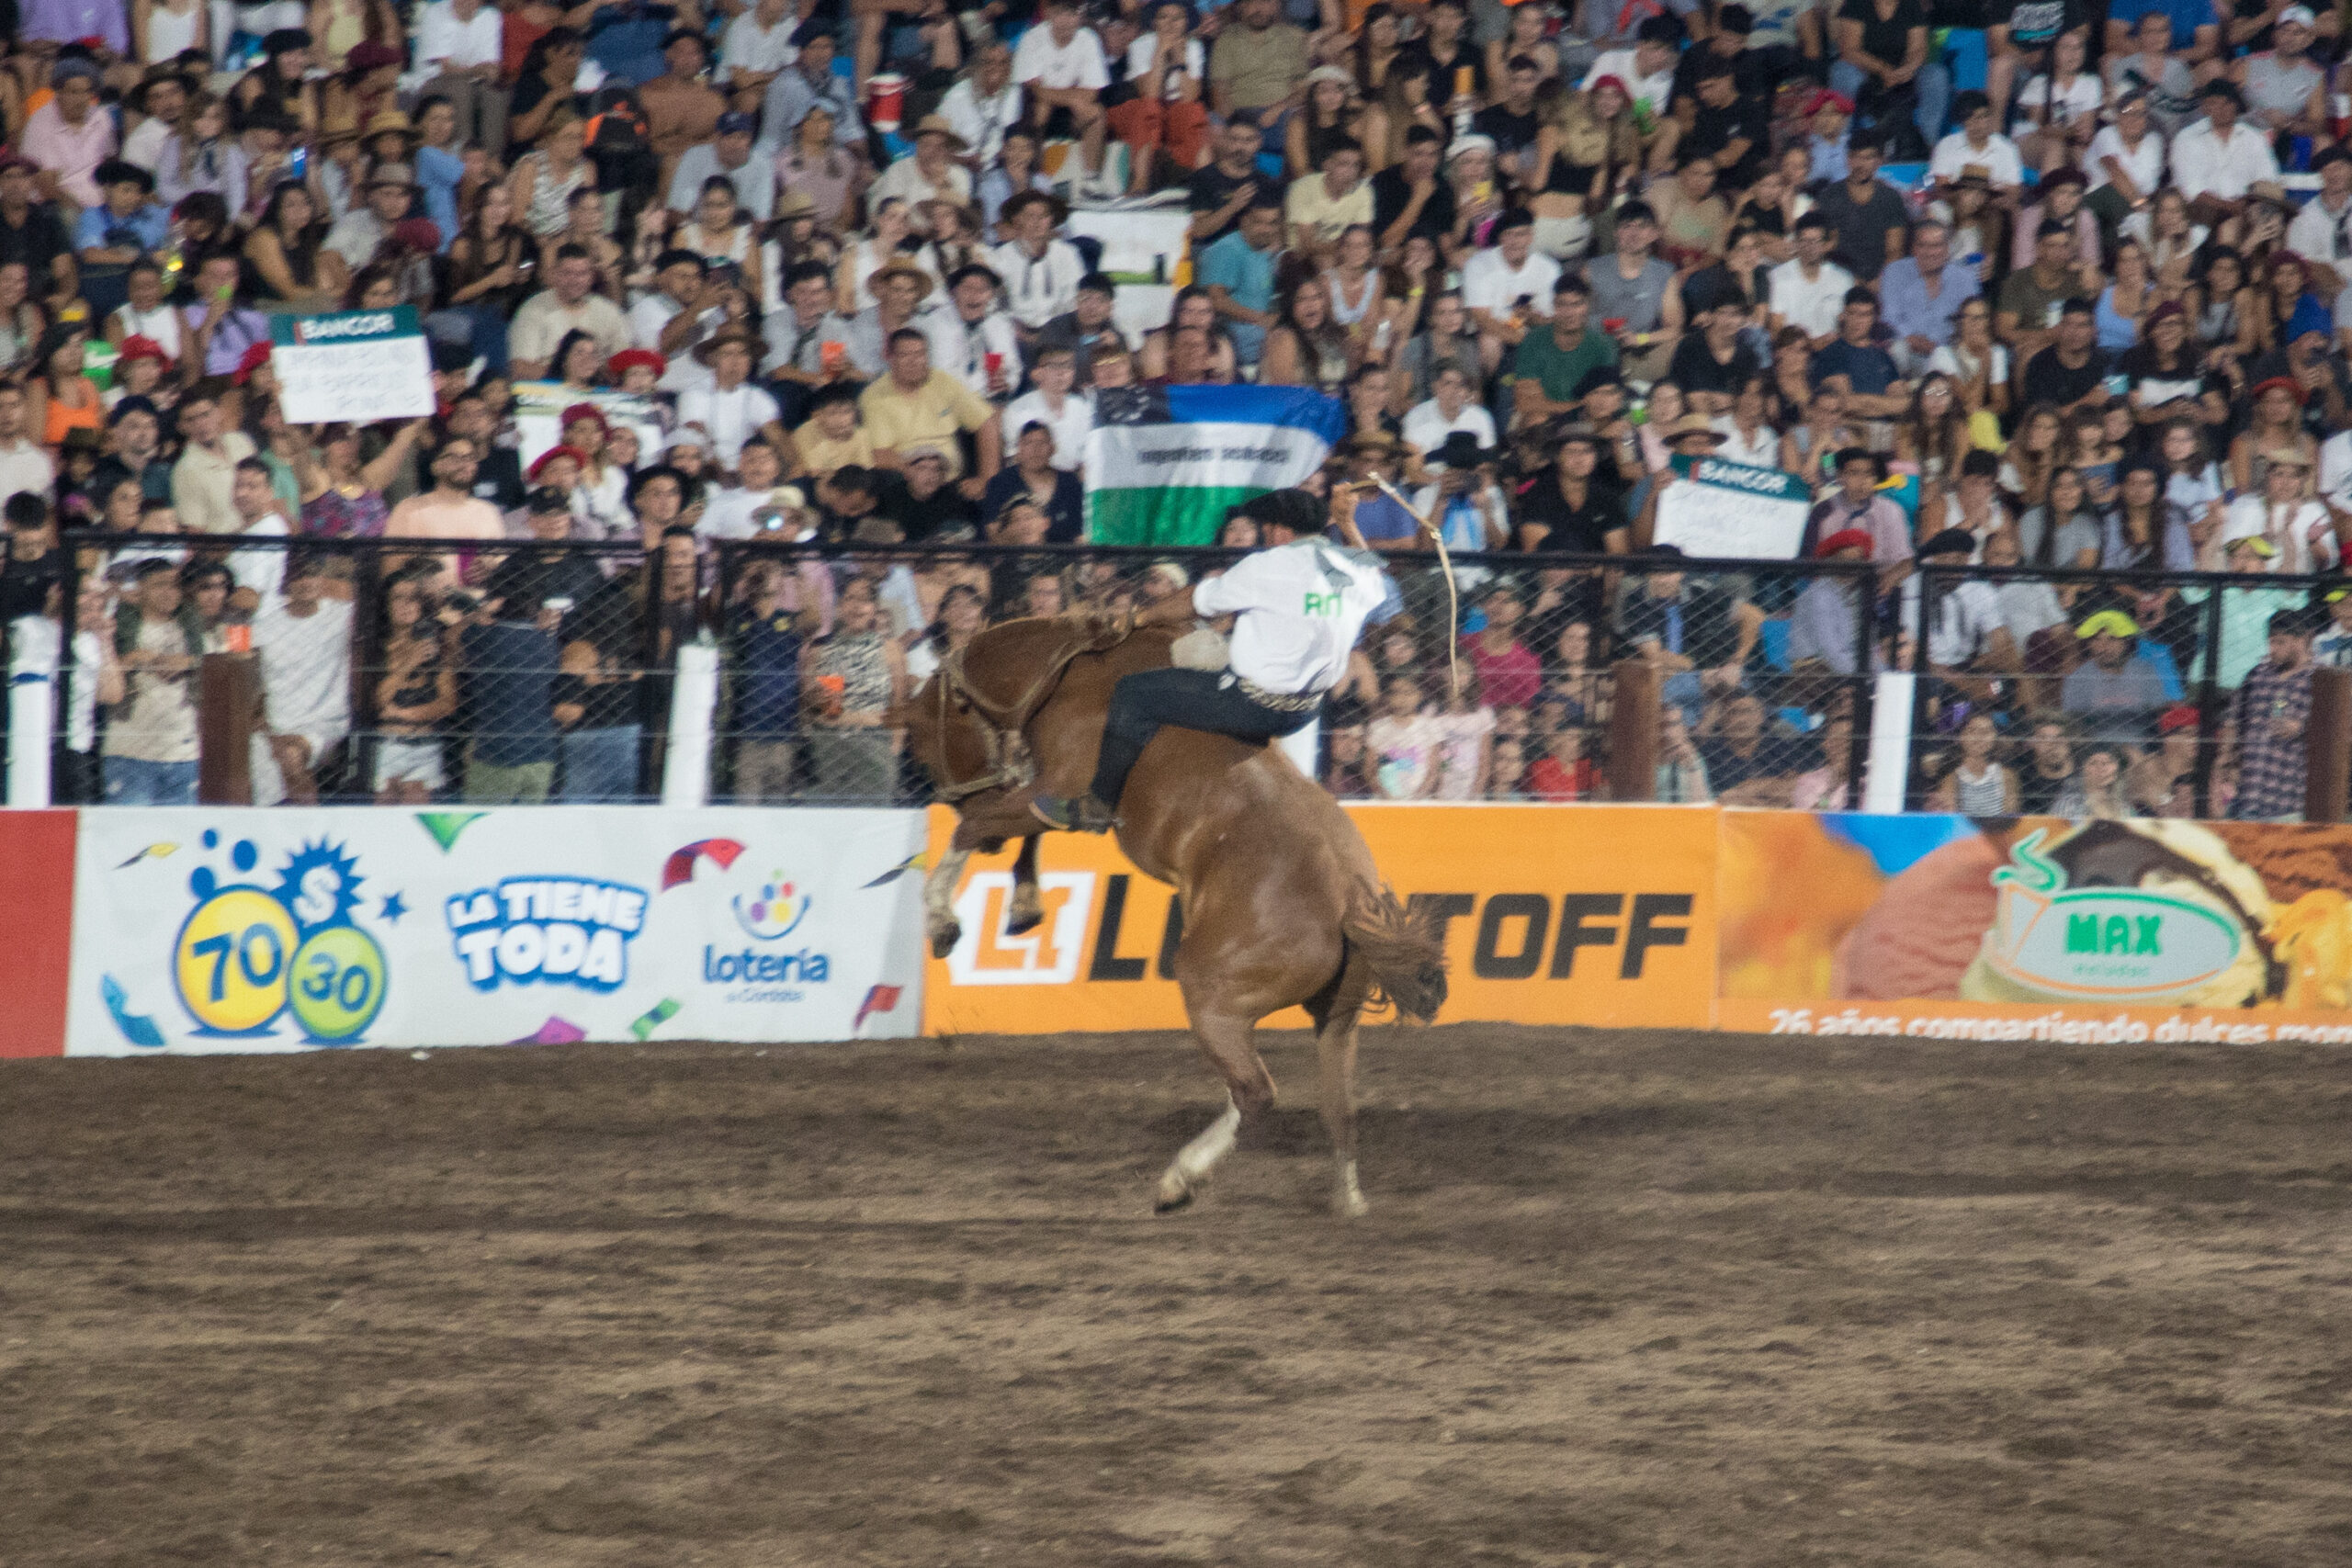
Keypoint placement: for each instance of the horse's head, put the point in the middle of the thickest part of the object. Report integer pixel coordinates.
(943, 734)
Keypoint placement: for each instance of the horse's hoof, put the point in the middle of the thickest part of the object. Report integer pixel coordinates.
(1172, 1197)
(1350, 1206)
(944, 940)
(1026, 915)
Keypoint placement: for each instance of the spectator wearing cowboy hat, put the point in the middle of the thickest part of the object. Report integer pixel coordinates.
(1968, 643)
(67, 138)
(900, 288)
(727, 155)
(1373, 455)
(391, 193)
(731, 408)
(930, 173)
(1463, 499)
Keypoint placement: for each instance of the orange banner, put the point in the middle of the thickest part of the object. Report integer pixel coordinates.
(2035, 929)
(1600, 915)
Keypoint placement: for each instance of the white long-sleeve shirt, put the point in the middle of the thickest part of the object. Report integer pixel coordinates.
(444, 40)
(1038, 288)
(2205, 164)
(1300, 608)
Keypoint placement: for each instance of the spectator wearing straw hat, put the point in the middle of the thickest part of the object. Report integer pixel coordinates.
(2298, 530)
(930, 173)
(730, 408)
(390, 194)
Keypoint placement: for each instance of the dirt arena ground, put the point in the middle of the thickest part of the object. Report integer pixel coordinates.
(1639, 1300)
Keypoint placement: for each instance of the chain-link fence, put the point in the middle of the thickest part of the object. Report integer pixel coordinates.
(515, 671)
(2090, 693)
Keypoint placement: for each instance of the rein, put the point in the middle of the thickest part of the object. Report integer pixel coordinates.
(1010, 764)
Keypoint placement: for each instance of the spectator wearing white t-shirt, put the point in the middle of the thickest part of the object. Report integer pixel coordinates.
(463, 38)
(2126, 160)
(1451, 409)
(985, 104)
(1059, 65)
(1809, 290)
(730, 409)
(302, 641)
(1976, 144)
(1054, 405)
(1496, 279)
(756, 49)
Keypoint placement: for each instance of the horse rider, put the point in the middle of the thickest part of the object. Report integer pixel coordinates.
(1299, 603)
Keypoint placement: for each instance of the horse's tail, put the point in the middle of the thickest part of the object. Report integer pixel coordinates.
(1407, 961)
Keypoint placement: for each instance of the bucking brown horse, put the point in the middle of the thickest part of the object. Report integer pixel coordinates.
(1283, 905)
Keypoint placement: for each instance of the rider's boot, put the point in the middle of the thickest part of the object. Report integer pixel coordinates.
(1074, 814)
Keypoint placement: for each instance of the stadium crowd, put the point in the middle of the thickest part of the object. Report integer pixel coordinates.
(2008, 283)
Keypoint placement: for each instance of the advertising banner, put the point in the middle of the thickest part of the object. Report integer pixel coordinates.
(352, 366)
(2035, 929)
(1170, 482)
(1600, 915)
(1723, 511)
(211, 930)
(37, 890)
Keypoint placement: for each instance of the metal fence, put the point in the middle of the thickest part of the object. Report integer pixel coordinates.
(2126, 694)
(509, 670)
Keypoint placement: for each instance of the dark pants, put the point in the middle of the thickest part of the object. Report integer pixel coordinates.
(1190, 699)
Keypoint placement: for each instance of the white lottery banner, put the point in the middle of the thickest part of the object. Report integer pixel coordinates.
(352, 366)
(225, 930)
(1719, 511)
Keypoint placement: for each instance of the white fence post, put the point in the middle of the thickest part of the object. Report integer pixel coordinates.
(694, 699)
(32, 710)
(1890, 769)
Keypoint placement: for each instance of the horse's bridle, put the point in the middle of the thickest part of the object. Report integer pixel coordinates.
(1010, 766)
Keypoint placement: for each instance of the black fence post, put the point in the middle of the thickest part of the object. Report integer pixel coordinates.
(1913, 797)
(2209, 701)
(367, 657)
(64, 783)
(1865, 688)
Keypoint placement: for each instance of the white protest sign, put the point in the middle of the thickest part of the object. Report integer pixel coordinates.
(1716, 511)
(352, 366)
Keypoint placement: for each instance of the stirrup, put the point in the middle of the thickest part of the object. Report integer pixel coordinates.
(1073, 814)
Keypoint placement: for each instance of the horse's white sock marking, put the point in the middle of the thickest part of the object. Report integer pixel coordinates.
(1347, 1197)
(1196, 1160)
